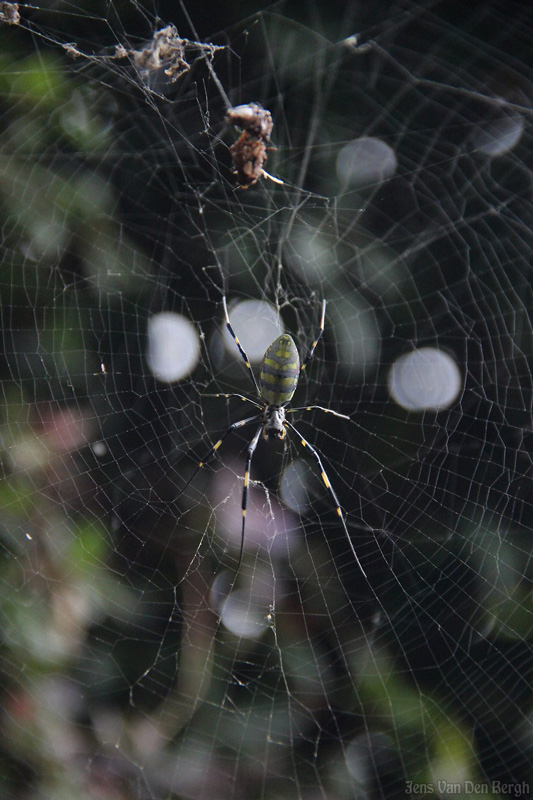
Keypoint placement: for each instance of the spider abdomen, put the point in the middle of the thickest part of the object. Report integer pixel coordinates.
(280, 370)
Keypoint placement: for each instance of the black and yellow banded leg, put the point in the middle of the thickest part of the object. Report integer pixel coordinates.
(236, 425)
(234, 394)
(244, 504)
(239, 345)
(330, 489)
(318, 408)
(312, 349)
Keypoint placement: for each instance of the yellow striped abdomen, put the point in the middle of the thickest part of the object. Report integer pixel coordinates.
(280, 370)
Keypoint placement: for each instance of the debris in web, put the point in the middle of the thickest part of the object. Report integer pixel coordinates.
(249, 152)
(9, 12)
(166, 53)
(170, 52)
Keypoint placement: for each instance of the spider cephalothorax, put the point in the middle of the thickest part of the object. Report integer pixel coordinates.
(274, 427)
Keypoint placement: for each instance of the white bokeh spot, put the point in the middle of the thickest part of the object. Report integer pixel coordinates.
(242, 617)
(425, 379)
(499, 136)
(173, 346)
(366, 161)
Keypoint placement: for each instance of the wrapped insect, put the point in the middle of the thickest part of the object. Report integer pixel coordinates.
(249, 152)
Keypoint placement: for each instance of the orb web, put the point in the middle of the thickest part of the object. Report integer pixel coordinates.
(136, 661)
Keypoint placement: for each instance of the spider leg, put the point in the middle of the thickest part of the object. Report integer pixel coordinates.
(235, 426)
(251, 451)
(241, 349)
(318, 408)
(312, 349)
(330, 489)
(241, 396)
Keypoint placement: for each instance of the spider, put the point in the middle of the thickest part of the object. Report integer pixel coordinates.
(278, 379)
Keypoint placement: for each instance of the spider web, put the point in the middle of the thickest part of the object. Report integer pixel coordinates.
(136, 662)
